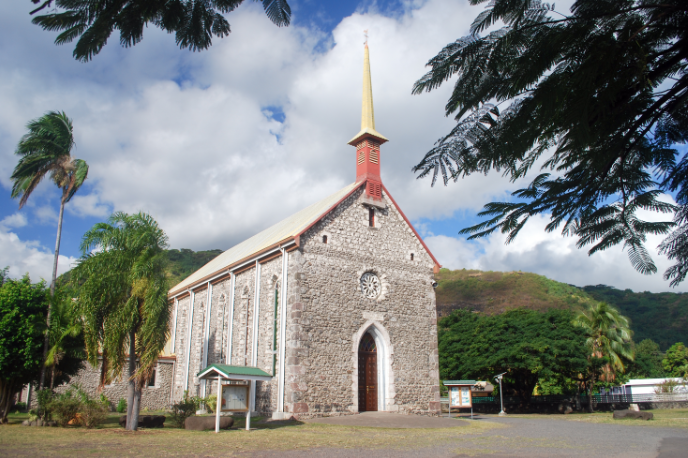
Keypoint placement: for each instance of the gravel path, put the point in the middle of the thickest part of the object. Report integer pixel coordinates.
(541, 437)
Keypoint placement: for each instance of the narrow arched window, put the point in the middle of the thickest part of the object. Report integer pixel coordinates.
(324, 239)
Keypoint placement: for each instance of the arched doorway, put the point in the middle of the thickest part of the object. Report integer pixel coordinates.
(367, 374)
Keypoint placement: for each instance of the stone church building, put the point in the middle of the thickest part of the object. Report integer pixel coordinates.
(336, 302)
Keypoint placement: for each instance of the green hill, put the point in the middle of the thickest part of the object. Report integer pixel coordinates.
(184, 262)
(662, 317)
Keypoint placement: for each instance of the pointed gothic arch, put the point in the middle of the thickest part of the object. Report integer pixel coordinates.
(385, 374)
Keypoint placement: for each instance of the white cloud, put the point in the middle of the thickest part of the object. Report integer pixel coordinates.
(88, 205)
(29, 257)
(13, 220)
(187, 136)
(553, 256)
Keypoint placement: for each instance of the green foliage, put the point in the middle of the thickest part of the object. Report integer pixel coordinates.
(194, 23)
(92, 412)
(496, 292)
(104, 400)
(596, 97)
(123, 291)
(44, 399)
(184, 409)
(23, 308)
(21, 406)
(647, 362)
(210, 403)
(184, 262)
(66, 341)
(122, 405)
(46, 150)
(668, 387)
(675, 362)
(65, 407)
(526, 344)
(662, 317)
(608, 336)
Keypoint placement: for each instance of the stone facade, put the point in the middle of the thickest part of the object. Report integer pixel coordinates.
(154, 397)
(326, 316)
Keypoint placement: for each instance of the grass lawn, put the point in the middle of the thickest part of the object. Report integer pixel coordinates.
(666, 418)
(111, 440)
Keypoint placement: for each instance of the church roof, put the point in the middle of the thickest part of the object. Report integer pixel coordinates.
(283, 231)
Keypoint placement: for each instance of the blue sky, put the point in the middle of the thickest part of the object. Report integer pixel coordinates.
(220, 144)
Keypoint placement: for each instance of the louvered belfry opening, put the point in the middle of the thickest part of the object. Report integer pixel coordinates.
(367, 374)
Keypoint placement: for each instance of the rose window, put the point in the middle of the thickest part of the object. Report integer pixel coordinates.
(370, 285)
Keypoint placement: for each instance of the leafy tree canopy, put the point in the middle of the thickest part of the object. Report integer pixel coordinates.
(526, 344)
(675, 360)
(194, 22)
(596, 97)
(648, 361)
(23, 307)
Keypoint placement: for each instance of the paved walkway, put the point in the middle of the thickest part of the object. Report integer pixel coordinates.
(390, 420)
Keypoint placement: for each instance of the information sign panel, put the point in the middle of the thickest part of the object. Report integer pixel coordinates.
(460, 396)
(234, 398)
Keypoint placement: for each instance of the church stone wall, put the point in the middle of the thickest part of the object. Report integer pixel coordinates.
(155, 397)
(327, 312)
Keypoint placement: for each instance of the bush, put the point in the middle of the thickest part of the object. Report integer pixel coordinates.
(44, 398)
(105, 401)
(93, 413)
(184, 409)
(210, 403)
(66, 407)
(122, 405)
(20, 406)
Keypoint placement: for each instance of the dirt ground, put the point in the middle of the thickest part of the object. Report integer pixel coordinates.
(576, 435)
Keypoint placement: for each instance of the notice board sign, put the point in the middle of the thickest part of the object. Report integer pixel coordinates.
(460, 396)
(235, 398)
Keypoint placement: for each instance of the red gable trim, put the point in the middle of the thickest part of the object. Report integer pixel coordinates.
(437, 264)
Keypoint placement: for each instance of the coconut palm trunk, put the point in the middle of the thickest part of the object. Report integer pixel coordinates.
(46, 341)
(46, 151)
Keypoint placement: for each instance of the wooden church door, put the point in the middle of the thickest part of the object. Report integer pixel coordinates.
(367, 374)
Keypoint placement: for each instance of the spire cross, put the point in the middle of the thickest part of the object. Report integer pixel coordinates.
(365, 34)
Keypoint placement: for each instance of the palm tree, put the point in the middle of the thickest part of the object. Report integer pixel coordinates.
(609, 337)
(46, 150)
(123, 300)
(65, 324)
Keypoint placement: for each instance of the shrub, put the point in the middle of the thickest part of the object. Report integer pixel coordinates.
(105, 401)
(183, 409)
(66, 407)
(44, 398)
(210, 403)
(93, 413)
(21, 406)
(122, 405)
